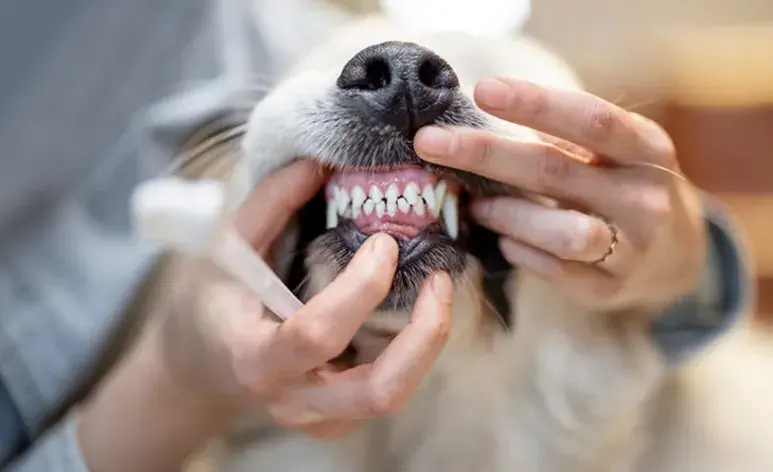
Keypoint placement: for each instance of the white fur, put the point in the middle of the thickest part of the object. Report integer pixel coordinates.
(566, 390)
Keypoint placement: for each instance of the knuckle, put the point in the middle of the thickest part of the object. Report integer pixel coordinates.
(480, 153)
(655, 204)
(553, 170)
(318, 342)
(600, 123)
(384, 401)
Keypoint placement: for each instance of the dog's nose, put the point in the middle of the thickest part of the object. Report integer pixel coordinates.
(400, 84)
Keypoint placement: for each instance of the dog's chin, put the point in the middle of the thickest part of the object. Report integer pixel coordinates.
(430, 251)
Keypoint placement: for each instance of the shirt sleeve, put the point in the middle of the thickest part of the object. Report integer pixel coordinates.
(56, 451)
(722, 298)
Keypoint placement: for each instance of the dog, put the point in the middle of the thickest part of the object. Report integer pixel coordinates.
(528, 381)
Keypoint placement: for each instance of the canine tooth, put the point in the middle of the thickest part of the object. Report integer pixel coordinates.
(376, 194)
(342, 199)
(358, 198)
(403, 205)
(451, 215)
(440, 194)
(429, 198)
(380, 208)
(419, 208)
(332, 215)
(368, 206)
(411, 193)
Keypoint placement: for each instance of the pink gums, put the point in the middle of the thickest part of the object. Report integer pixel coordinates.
(401, 225)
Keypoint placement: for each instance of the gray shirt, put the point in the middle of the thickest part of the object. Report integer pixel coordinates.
(94, 97)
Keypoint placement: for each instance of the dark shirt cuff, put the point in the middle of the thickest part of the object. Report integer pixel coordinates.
(723, 296)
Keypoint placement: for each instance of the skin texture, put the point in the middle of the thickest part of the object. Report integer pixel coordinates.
(214, 353)
(588, 160)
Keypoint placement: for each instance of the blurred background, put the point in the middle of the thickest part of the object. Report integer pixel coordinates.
(703, 69)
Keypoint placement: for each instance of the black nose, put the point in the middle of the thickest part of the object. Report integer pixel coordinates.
(400, 84)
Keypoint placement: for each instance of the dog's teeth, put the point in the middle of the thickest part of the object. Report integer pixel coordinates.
(419, 208)
(411, 193)
(429, 198)
(358, 198)
(440, 194)
(376, 194)
(380, 208)
(451, 215)
(368, 206)
(403, 205)
(342, 200)
(332, 215)
(391, 207)
(392, 193)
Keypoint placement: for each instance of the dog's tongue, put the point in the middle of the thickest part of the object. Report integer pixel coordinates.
(399, 202)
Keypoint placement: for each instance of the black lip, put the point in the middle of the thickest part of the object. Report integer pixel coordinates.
(430, 251)
(409, 250)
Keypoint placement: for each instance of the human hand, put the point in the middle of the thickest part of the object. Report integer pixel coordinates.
(604, 167)
(220, 341)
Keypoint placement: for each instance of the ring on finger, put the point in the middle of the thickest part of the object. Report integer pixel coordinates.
(614, 240)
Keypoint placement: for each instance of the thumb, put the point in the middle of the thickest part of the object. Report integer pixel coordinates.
(275, 199)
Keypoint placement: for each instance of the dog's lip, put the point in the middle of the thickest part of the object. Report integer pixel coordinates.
(409, 249)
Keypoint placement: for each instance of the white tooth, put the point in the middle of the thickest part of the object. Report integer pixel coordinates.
(368, 206)
(429, 198)
(342, 199)
(391, 207)
(411, 193)
(403, 205)
(440, 194)
(332, 215)
(376, 194)
(418, 207)
(380, 208)
(358, 198)
(392, 193)
(451, 215)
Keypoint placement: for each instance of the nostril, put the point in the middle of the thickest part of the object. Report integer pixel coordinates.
(435, 73)
(370, 74)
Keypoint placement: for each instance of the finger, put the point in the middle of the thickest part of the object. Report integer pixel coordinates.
(566, 234)
(529, 165)
(582, 281)
(383, 387)
(324, 327)
(275, 199)
(399, 370)
(331, 429)
(579, 117)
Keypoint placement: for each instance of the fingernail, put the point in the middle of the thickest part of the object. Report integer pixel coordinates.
(380, 243)
(441, 285)
(433, 141)
(310, 417)
(492, 94)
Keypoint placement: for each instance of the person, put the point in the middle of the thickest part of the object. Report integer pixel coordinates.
(70, 265)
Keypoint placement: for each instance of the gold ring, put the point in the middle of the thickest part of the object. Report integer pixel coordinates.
(612, 245)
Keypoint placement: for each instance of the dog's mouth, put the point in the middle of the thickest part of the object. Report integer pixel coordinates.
(417, 206)
(409, 203)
